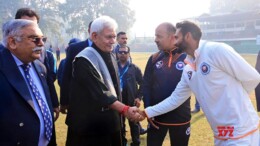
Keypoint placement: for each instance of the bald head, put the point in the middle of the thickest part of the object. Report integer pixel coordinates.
(164, 36)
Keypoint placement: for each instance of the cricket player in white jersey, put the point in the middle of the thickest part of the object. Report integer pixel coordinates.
(221, 81)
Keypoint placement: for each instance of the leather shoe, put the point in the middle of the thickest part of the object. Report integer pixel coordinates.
(195, 111)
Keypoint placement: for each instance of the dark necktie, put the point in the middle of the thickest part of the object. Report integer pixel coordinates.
(43, 106)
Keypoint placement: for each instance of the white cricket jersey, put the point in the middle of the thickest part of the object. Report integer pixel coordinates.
(221, 81)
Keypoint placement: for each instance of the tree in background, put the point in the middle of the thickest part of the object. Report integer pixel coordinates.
(81, 12)
(47, 9)
(61, 21)
(124, 16)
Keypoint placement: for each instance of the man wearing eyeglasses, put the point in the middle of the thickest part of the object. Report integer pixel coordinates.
(46, 58)
(131, 79)
(25, 107)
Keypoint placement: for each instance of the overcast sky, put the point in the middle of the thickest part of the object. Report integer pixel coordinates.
(150, 13)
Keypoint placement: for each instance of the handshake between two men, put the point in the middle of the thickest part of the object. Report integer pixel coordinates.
(136, 115)
(132, 113)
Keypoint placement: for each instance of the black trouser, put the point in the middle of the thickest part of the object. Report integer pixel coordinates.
(179, 135)
(135, 133)
(74, 139)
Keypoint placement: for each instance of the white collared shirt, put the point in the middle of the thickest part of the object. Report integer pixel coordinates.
(42, 139)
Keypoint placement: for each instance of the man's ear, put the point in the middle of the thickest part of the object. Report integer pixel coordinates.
(94, 36)
(189, 35)
(11, 42)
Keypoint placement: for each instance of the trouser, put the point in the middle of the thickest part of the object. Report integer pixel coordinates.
(179, 135)
(75, 139)
(250, 140)
(135, 133)
(58, 57)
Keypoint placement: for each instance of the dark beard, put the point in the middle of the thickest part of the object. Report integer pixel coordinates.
(182, 46)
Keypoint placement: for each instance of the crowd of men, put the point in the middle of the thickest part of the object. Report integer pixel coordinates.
(100, 87)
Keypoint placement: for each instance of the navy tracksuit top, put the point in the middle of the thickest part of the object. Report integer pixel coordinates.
(160, 80)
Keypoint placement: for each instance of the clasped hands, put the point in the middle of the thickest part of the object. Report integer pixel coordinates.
(134, 114)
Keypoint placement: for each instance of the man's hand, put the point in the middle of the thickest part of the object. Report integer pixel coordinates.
(143, 113)
(133, 114)
(64, 109)
(56, 113)
(137, 102)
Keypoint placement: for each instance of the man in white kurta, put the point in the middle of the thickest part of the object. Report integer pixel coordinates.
(221, 81)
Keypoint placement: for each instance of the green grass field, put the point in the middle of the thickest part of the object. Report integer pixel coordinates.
(201, 134)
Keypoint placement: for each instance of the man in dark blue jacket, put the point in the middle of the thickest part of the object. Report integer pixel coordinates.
(47, 59)
(26, 116)
(62, 62)
(72, 51)
(162, 74)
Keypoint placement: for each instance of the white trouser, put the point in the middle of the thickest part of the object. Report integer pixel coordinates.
(250, 140)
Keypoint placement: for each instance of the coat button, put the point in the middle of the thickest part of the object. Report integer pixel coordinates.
(21, 124)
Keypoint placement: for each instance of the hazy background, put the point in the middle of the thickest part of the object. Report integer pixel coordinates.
(61, 20)
(150, 13)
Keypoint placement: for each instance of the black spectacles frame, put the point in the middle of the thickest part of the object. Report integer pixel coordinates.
(123, 52)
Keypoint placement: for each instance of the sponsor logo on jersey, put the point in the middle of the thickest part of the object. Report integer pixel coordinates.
(205, 68)
(159, 64)
(224, 131)
(189, 74)
(180, 65)
(188, 131)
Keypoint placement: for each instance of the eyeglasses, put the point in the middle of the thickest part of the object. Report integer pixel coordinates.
(34, 39)
(123, 52)
(37, 40)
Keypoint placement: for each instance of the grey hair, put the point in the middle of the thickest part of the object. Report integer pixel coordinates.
(13, 28)
(102, 22)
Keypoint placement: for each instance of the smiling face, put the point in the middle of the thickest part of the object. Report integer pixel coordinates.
(105, 39)
(26, 45)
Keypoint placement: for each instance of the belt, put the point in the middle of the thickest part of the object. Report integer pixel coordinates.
(104, 109)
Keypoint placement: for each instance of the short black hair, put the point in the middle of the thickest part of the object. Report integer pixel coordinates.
(89, 25)
(120, 33)
(188, 26)
(26, 12)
